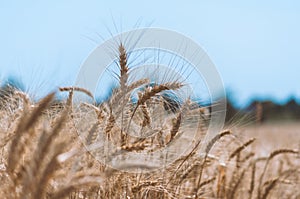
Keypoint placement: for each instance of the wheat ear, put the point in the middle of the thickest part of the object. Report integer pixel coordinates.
(239, 149)
(271, 156)
(74, 88)
(207, 149)
(152, 91)
(123, 67)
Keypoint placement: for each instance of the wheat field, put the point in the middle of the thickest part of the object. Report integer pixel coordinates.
(51, 150)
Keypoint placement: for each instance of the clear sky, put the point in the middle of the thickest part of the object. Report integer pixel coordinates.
(254, 44)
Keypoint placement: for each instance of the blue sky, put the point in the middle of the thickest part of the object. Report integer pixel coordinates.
(254, 44)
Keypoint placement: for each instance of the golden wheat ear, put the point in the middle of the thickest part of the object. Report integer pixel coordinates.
(152, 91)
(123, 67)
(209, 146)
(74, 88)
(239, 149)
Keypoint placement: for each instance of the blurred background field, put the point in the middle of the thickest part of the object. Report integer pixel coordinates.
(255, 47)
(272, 135)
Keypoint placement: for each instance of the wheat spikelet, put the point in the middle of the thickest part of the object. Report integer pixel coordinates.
(175, 126)
(109, 125)
(138, 83)
(183, 159)
(151, 91)
(160, 139)
(215, 139)
(270, 185)
(92, 134)
(123, 67)
(69, 102)
(282, 151)
(188, 170)
(139, 146)
(206, 182)
(123, 137)
(146, 119)
(239, 149)
(119, 94)
(74, 88)
(207, 149)
(235, 182)
(178, 120)
(252, 182)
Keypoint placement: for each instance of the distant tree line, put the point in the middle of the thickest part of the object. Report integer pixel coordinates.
(266, 111)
